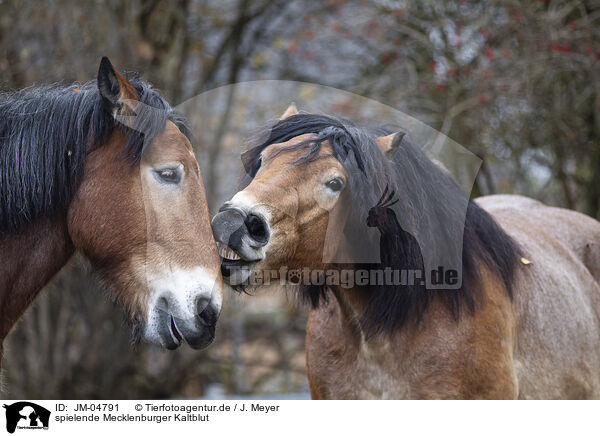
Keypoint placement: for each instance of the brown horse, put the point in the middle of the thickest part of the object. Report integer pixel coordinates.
(520, 319)
(107, 168)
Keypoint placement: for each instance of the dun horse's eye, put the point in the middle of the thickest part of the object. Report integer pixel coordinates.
(335, 185)
(169, 175)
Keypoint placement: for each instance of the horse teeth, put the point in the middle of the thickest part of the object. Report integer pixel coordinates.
(227, 253)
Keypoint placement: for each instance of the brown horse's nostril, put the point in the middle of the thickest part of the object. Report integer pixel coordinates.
(258, 229)
(207, 313)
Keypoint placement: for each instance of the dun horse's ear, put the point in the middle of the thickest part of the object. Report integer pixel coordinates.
(291, 110)
(115, 89)
(390, 143)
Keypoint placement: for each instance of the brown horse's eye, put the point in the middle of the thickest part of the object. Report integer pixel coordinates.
(169, 175)
(335, 185)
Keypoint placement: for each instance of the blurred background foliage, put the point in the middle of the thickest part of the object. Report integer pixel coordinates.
(515, 81)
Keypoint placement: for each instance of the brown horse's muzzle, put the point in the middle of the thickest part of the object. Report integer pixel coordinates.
(175, 325)
(198, 331)
(184, 306)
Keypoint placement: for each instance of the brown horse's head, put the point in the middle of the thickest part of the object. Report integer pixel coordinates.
(140, 216)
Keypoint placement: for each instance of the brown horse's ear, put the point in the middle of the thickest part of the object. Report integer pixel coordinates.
(390, 143)
(116, 91)
(291, 110)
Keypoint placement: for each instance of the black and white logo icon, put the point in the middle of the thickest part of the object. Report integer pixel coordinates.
(26, 415)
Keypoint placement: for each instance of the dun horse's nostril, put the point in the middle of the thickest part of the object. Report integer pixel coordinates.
(257, 229)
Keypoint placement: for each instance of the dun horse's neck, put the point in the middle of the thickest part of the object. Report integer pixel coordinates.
(28, 261)
(352, 304)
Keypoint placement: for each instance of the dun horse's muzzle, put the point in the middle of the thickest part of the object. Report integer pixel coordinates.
(240, 237)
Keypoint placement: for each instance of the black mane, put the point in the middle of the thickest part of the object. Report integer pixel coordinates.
(429, 198)
(45, 135)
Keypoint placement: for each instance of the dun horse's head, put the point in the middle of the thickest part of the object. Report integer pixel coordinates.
(140, 215)
(327, 197)
(296, 208)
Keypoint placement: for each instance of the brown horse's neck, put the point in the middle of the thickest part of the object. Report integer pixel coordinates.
(29, 260)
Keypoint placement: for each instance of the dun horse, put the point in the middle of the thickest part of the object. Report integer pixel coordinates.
(128, 194)
(524, 322)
